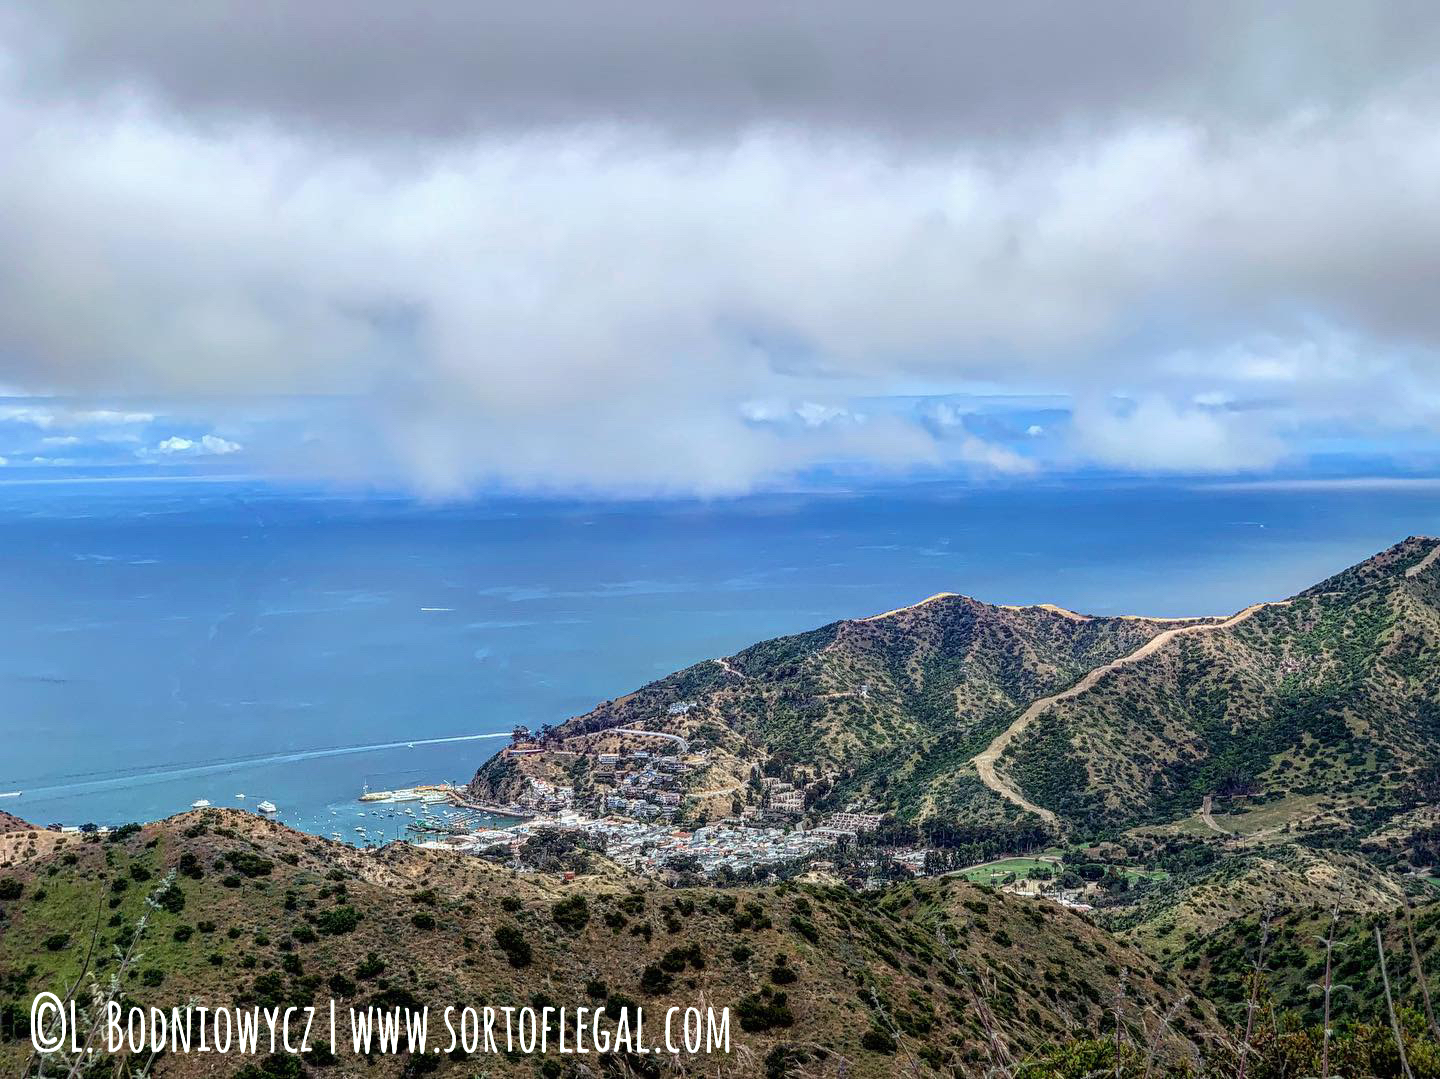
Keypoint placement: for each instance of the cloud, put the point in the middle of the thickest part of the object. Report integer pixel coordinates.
(560, 248)
(205, 446)
(63, 415)
(1154, 435)
(928, 70)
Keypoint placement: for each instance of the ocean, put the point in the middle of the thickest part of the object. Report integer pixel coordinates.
(163, 641)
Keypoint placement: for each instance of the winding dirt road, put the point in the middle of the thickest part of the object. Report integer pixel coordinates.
(1424, 563)
(986, 760)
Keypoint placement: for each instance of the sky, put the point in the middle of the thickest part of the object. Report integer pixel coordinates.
(641, 248)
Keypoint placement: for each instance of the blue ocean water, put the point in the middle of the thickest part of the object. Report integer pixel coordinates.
(164, 641)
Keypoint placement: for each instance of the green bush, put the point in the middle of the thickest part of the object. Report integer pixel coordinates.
(571, 914)
(171, 899)
(513, 943)
(764, 1011)
(654, 979)
(337, 921)
(877, 1041)
(249, 864)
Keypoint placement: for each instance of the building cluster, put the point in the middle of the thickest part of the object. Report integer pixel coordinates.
(541, 796)
(642, 784)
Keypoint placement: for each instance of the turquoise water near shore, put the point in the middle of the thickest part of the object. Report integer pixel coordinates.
(164, 641)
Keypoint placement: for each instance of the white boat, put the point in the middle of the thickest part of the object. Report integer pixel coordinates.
(268, 807)
(11, 794)
(240, 797)
(200, 803)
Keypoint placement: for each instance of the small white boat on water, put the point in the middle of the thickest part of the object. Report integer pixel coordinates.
(200, 803)
(268, 807)
(11, 794)
(240, 797)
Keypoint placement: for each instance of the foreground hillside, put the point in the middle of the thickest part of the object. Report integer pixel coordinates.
(938, 972)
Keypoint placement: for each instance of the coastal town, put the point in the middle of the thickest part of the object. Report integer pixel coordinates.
(634, 812)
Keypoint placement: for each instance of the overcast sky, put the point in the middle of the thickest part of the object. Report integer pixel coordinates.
(646, 247)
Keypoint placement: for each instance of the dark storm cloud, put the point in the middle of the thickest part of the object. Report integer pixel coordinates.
(941, 70)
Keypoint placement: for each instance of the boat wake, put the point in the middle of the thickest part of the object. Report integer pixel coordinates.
(141, 777)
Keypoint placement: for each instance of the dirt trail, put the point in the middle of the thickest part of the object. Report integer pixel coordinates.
(986, 760)
(1424, 563)
(910, 607)
(729, 668)
(1209, 819)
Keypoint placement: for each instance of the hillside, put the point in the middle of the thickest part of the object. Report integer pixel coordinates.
(1034, 722)
(1335, 693)
(937, 971)
(11, 823)
(888, 709)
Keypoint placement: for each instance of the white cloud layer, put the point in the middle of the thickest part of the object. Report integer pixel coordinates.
(205, 446)
(599, 304)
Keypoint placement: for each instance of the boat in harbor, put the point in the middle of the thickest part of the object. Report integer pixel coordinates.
(200, 803)
(268, 807)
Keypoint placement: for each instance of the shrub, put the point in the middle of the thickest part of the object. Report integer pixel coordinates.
(654, 979)
(183, 933)
(57, 943)
(372, 966)
(171, 899)
(571, 914)
(806, 928)
(189, 866)
(275, 1066)
(249, 864)
(877, 1041)
(513, 943)
(337, 921)
(759, 1012)
(341, 986)
(422, 919)
(152, 977)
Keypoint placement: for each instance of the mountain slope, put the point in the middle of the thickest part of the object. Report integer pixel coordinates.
(889, 708)
(263, 915)
(1336, 692)
(1028, 721)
